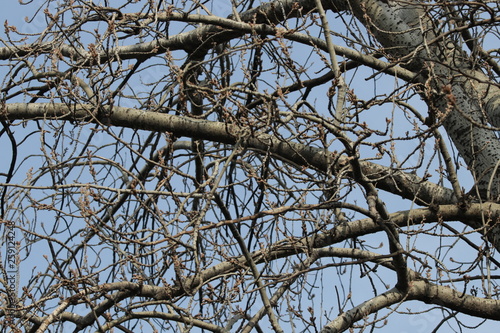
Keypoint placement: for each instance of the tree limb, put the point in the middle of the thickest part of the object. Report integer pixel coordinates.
(404, 184)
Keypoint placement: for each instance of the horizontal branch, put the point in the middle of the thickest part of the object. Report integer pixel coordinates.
(406, 185)
(476, 216)
(216, 30)
(147, 315)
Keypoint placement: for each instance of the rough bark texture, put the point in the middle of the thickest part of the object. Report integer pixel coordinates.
(457, 95)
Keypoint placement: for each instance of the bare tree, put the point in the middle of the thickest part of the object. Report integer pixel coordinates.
(294, 166)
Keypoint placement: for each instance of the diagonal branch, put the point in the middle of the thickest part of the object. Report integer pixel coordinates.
(424, 291)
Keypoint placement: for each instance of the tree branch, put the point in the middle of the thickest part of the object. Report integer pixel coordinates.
(399, 183)
(424, 291)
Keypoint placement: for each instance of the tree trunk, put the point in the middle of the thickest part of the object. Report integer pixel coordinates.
(459, 97)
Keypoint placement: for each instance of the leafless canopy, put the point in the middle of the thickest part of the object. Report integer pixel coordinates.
(237, 166)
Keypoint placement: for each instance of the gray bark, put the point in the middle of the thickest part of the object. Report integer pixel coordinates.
(457, 95)
(407, 185)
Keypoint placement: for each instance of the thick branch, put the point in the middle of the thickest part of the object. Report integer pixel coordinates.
(216, 30)
(337, 234)
(424, 291)
(348, 318)
(406, 185)
(419, 290)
